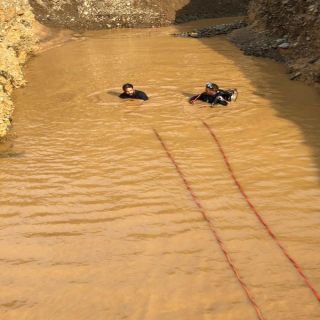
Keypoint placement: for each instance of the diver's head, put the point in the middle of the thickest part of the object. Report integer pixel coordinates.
(211, 88)
(128, 89)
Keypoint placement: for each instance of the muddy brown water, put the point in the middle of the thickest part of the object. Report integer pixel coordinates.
(95, 222)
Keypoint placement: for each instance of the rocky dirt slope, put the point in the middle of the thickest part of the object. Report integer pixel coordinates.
(287, 31)
(95, 14)
(200, 9)
(17, 41)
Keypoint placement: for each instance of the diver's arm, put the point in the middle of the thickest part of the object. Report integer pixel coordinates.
(143, 96)
(193, 99)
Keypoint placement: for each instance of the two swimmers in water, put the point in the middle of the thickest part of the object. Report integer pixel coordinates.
(212, 94)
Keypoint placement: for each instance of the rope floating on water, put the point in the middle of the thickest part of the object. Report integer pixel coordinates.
(258, 215)
(211, 226)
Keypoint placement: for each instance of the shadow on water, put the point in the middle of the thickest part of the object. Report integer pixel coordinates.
(7, 151)
(187, 94)
(113, 93)
(293, 101)
(11, 154)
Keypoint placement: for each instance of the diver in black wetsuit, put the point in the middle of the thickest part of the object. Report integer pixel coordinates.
(214, 95)
(130, 93)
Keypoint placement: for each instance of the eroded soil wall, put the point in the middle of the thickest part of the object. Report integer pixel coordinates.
(17, 41)
(101, 14)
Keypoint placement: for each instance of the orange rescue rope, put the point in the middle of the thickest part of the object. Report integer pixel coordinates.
(211, 226)
(259, 217)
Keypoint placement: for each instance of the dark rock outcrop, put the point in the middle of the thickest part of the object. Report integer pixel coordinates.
(286, 31)
(212, 31)
(200, 9)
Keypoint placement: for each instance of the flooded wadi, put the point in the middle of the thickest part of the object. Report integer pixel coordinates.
(96, 221)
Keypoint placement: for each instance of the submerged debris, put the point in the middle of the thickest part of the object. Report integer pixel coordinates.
(212, 31)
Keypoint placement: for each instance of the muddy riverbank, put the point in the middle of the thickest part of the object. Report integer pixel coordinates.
(285, 32)
(97, 224)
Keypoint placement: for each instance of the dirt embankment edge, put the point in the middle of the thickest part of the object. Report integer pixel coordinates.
(17, 43)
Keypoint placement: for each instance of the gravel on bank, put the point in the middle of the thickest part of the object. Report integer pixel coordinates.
(107, 14)
(212, 31)
(286, 31)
